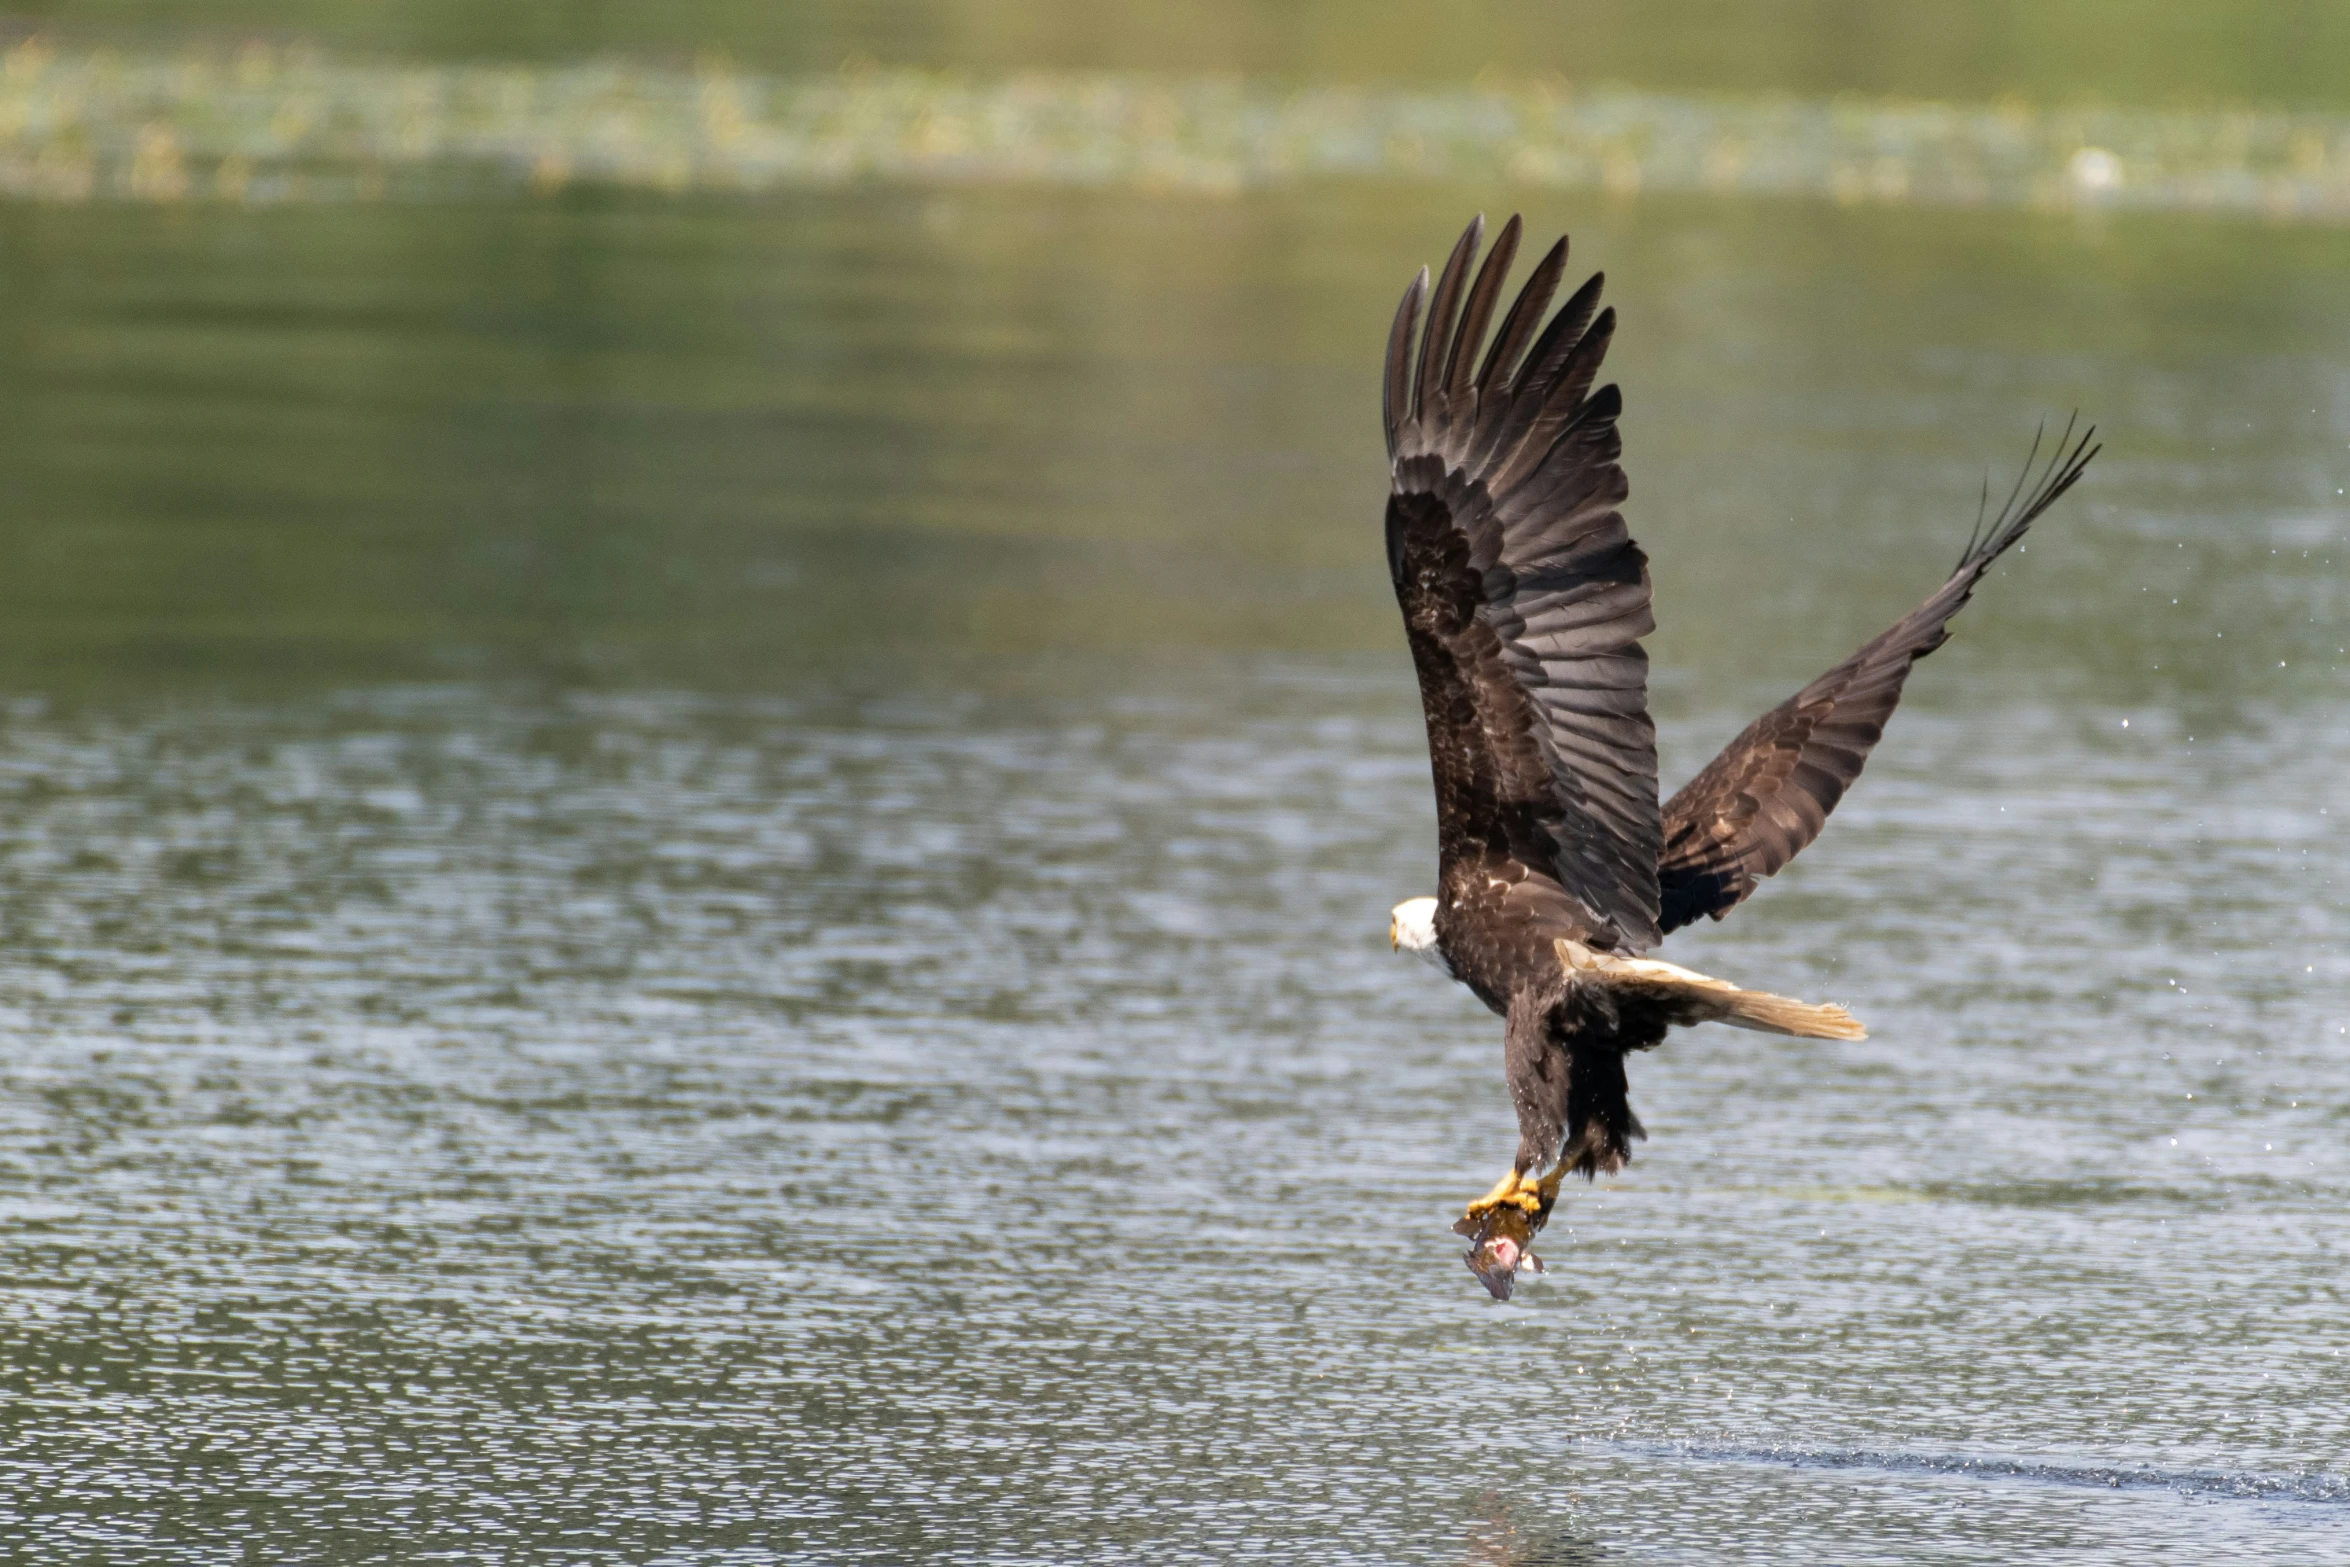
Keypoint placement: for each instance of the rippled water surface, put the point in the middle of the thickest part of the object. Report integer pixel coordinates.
(699, 882)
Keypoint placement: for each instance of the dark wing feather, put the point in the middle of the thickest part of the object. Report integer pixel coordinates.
(1524, 596)
(1755, 806)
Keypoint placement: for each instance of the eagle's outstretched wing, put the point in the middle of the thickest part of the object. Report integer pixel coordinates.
(1524, 597)
(1755, 806)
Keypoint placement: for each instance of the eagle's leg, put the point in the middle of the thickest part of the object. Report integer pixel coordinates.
(1539, 1077)
(1501, 1225)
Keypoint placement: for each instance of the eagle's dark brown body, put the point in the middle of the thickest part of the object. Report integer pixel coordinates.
(1524, 600)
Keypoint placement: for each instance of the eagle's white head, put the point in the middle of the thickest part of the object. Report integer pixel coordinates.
(1412, 928)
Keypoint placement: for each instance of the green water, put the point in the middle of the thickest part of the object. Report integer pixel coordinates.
(731, 442)
(699, 879)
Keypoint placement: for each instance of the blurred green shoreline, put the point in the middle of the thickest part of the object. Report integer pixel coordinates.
(263, 123)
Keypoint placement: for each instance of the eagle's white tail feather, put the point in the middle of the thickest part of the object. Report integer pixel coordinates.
(1769, 1014)
(1700, 998)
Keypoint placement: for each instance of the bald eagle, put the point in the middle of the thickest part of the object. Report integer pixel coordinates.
(1524, 601)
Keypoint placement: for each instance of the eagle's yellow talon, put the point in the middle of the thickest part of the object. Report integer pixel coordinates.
(1503, 1190)
(1519, 1190)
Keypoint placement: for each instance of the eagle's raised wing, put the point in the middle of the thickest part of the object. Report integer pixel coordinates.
(1524, 597)
(1755, 806)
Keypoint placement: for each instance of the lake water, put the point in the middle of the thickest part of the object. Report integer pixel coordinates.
(704, 881)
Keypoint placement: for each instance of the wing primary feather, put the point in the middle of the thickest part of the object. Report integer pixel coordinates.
(1525, 316)
(1507, 446)
(1582, 364)
(2062, 472)
(1974, 534)
(2039, 432)
(1543, 411)
(1394, 401)
(1438, 336)
(1560, 337)
(1483, 295)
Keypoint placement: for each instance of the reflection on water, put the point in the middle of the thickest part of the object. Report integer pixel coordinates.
(688, 881)
(1504, 1534)
(727, 443)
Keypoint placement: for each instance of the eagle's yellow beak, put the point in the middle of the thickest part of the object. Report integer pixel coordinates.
(1394, 936)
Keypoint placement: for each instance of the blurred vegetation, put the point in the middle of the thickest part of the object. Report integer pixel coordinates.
(2143, 52)
(258, 123)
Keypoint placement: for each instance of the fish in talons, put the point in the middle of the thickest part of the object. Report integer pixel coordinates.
(1501, 1225)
